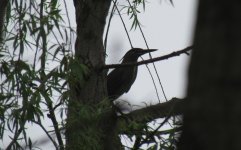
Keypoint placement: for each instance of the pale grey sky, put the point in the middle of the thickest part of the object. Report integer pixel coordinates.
(166, 28)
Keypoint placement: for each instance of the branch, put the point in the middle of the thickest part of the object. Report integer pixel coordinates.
(51, 115)
(46, 132)
(172, 107)
(173, 54)
(162, 132)
(15, 138)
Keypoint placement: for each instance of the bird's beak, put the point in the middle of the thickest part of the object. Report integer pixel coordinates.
(149, 50)
(144, 51)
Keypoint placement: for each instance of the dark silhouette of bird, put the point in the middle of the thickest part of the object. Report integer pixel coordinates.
(120, 80)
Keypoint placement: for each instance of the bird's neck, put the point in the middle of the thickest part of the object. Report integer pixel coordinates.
(129, 60)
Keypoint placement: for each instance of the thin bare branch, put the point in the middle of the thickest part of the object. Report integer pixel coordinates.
(123, 22)
(173, 54)
(108, 24)
(47, 133)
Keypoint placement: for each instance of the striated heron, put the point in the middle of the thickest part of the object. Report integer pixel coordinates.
(120, 80)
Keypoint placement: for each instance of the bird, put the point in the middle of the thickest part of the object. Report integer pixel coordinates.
(120, 80)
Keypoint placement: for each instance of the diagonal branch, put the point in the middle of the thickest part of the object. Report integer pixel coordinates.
(172, 107)
(173, 54)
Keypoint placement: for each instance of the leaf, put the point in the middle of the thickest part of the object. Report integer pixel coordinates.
(56, 51)
(46, 97)
(21, 65)
(79, 73)
(57, 25)
(8, 14)
(53, 4)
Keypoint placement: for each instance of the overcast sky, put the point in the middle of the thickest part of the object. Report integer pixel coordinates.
(167, 28)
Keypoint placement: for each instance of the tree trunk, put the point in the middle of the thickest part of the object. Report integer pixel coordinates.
(89, 124)
(3, 8)
(212, 120)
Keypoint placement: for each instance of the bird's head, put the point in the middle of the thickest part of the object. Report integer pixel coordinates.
(133, 54)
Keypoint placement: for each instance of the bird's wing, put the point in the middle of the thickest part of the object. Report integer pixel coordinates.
(132, 78)
(114, 82)
(120, 80)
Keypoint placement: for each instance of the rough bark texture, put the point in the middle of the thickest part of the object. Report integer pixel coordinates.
(172, 107)
(86, 128)
(3, 8)
(212, 119)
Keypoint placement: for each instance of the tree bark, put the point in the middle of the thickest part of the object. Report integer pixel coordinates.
(3, 8)
(173, 107)
(212, 118)
(88, 127)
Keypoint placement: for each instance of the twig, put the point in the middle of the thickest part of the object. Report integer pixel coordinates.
(67, 14)
(108, 25)
(152, 78)
(123, 24)
(15, 138)
(46, 132)
(51, 115)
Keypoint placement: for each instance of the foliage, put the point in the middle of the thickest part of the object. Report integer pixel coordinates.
(153, 135)
(31, 88)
